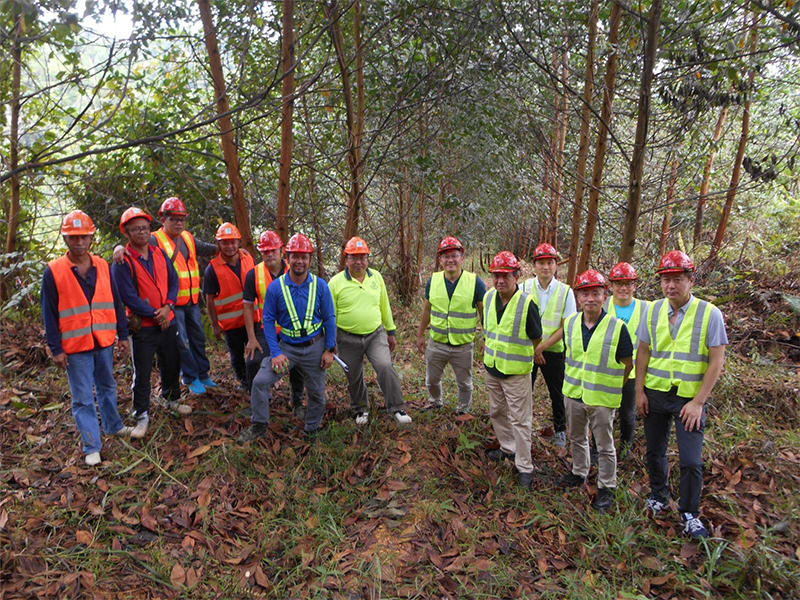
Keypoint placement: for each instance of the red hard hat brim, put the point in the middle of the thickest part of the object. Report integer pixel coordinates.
(674, 270)
(502, 270)
(543, 256)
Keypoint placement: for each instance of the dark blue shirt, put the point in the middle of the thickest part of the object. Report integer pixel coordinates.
(126, 283)
(275, 311)
(88, 285)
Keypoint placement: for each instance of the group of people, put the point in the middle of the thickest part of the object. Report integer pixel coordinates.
(617, 354)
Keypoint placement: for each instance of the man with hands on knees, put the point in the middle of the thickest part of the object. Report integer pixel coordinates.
(83, 317)
(301, 303)
(680, 358)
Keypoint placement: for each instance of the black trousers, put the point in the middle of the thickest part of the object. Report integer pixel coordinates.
(553, 373)
(236, 340)
(148, 343)
(627, 412)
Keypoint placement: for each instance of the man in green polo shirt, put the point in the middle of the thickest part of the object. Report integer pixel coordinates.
(453, 304)
(365, 327)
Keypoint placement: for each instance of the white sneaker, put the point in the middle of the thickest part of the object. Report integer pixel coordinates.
(401, 417)
(655, 506)
(141, 427)
(362, 418)
(92, 459)
(123, 431)
(181, 409)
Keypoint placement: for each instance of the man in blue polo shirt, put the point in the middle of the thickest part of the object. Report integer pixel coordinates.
(302, 305)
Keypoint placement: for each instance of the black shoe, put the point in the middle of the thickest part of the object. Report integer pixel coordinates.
(571, 480)
(314, 434)
(498, 455)
(525, 480)
(258, 430)
(603, 500)
(299, 412)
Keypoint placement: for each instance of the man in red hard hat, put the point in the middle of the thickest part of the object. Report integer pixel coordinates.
(148, 285)
(511, 330)
(256, 284)
(453, 304)
(624, 305)
(301, 304)
(556, 302)
(598, 360)
(223, 285)
(83, 317)
(680, 358)
(365, 327)
(183, 250)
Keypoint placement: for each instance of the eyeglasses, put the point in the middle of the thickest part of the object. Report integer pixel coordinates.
(358, 257)
(139, 229)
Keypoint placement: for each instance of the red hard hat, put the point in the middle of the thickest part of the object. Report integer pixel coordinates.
(449, 243)
(504, 262)
(355, 245)
(544, 251)
(623, 272)
(77, 223)
(299, 243)
(130, 214)
(228, 231)
(173, 206)
(675, 261)
(589, 279)
(269, 241)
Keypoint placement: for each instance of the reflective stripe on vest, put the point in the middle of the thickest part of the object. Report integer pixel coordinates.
(593, 375)
(453, 319)
(263, 279)
(507, 347)
(188, 271)
(670, 362)
(82, 324)
(638, 315)
(554, 312)
(229, 302)
(308, 327)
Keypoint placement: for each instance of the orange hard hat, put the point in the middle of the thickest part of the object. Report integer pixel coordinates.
(134, 212)
(449, 243)
(228, 231)
(544, 251)
(77, 223)
(675, 261)
(269, 240)
(589, 279)
(355, 245)
(299, 243)
(504, 262)
(173, 206)
(623, 272)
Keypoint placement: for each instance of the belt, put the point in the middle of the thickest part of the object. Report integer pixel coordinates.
(359, 335)
(302, 344)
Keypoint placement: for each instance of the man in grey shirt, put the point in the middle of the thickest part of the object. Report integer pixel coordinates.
(680, 358)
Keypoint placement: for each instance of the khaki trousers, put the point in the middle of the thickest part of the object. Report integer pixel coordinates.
(437, 357)
(580, 417)
(511, 413)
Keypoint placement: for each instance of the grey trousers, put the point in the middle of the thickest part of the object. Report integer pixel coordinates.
(305, 358)
(580, 418)
(375, 346)
(437, 357)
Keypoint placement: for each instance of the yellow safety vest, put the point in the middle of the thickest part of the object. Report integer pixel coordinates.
(639, 312)
(508, 347)
(593, 375)
(453, 320)
(554, 313)
(682, 361)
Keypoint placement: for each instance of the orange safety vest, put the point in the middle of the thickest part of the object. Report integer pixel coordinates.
(188, 270)
(230, 300)
(263, 279)
(152, 289)
(82, 325)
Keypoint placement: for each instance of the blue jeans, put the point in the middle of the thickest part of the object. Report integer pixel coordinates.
(192, 347)
(87, 370)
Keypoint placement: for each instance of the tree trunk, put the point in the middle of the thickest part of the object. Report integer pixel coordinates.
(353, 160)
(583, 145)
(13, 208)
(606, 112)
(667, 221)
(701, 201)
(287, 139)
(229, 150)
(640, 143)
(559, 142)
(730, 197)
